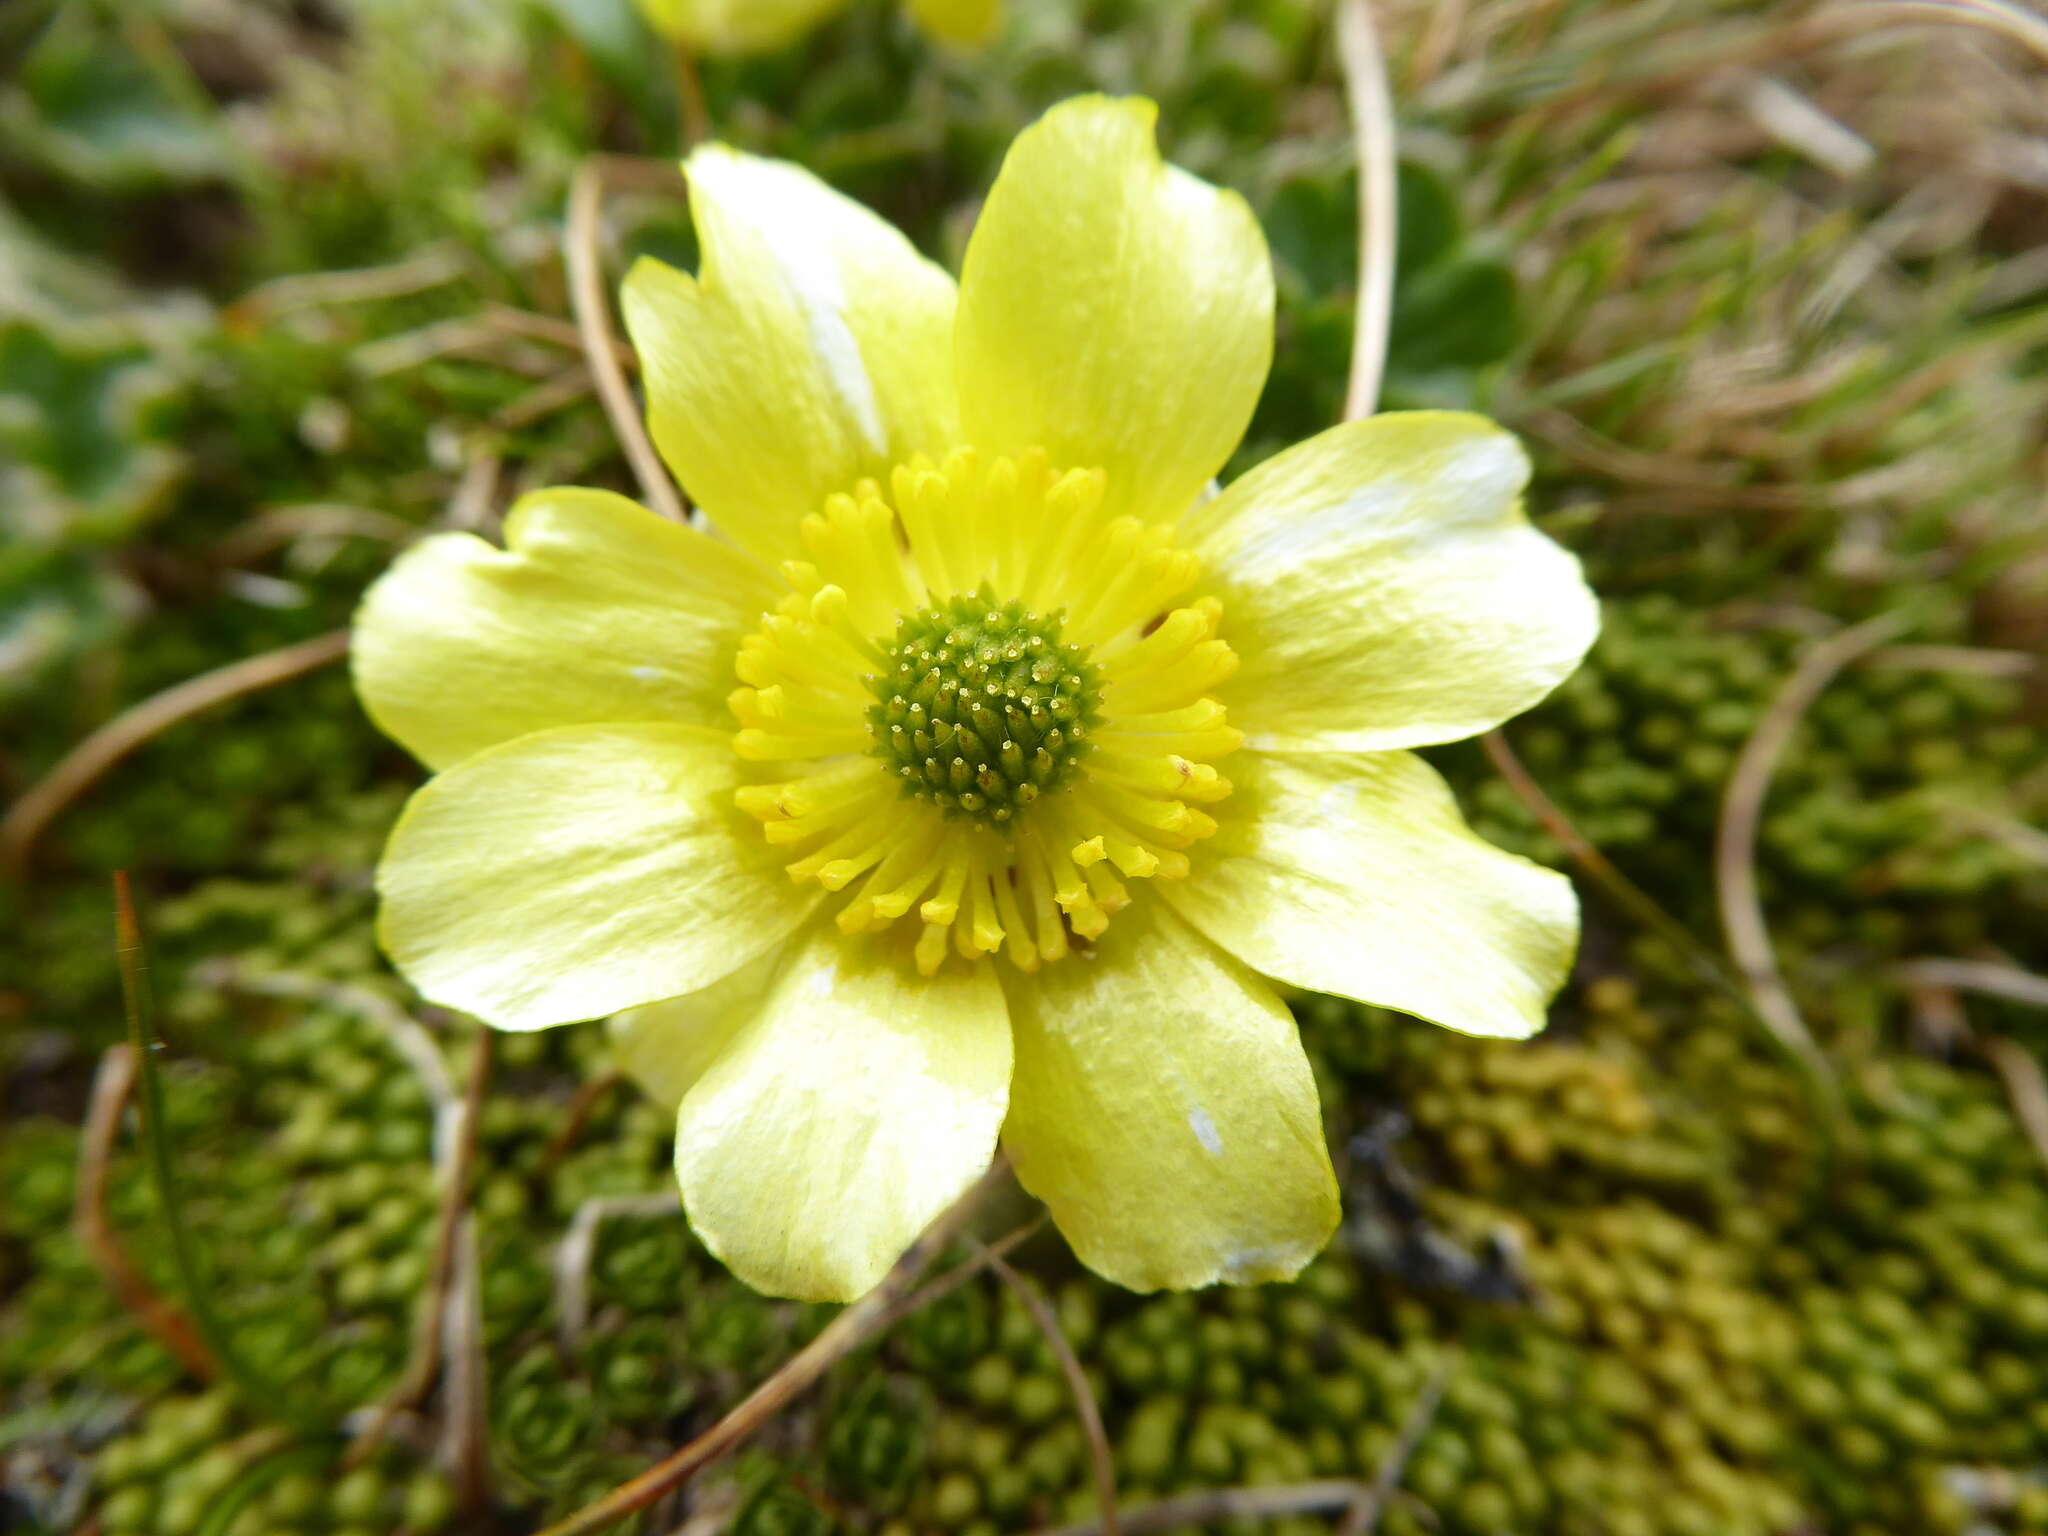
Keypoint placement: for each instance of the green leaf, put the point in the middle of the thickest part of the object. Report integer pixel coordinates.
(89, 107)
(1428, 228)
(1461, 315)
(81, 409)
(626, 52)
(1312, 227)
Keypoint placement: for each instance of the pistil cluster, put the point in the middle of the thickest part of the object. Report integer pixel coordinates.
(989, 704)
(982, 709)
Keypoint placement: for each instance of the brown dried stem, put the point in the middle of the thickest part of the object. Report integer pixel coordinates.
(797, 1375)
(960, 1274)
(1985, 976)
(1085, 1406)
(1936, 982)
(1817, 1081)
(1592, 863)
(600, 344)
(2024, 1085)
(465, 1439)
(164, 1322)
(458, 1152)
(429, 267)
(1219, 1504)
(579, 1245)
(1372, 128)
(2012, 22)
(575, 1117)
(84, 764)
(1361, 1502)
(690, 98)
(1365, 1514)
(1735, 882)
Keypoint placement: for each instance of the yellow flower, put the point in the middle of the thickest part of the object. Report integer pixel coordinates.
(1047, 757)
(747, 26)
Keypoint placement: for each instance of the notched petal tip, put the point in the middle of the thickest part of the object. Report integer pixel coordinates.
(1164, 1110)
(1115, 311)
(872, 1100)
(1355, 874)
(1386, 590)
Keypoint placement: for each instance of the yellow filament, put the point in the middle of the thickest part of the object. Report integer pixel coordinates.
(1020, 530)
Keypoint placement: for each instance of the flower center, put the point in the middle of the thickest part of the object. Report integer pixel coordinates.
(985, 704)
(981, 709)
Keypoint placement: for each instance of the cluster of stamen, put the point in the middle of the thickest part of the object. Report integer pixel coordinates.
(987, 703)
(981, 709)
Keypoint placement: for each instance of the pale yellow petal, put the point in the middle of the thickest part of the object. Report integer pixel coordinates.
(968, 23)
(812, 349)
(666, 1046)
(596, 610)
(856, 1104)
(1353, 873)
(572, 873)
(737, 26)
(1114, 310)
(1382, 588)
(1162, 1108)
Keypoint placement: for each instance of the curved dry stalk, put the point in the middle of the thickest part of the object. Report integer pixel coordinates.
(696, 114)
(279, 526)
(1085, 1406)
(1742, 802)
(1372, 128)
(1985, 976)
(1439, 37)
(406, 1036)
(845, 1333)
(1360, 1502)
(1365, 1514)
(600, 345)
(579, 1244)
(547, 328)
(111, 1086)
(465, 1415)
(574, 1117)
(1219, 1504)
(1815, 1079)
(429, 267)
(960, 1274)
(1935, 983)
(82, 767)
(2012, 22)
(2025, 1086)
(437, 1312)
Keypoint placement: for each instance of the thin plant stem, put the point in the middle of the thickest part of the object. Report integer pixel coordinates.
(845, 1333)
(575, 1117)
(1085, 1406)
(80, 768)
(291, 1406)
(459, 1150)
(696, 114)
(1360, 1519)
(1735, 882)
(960, 1274)
(1218, 1504)
(111, 1087)
(1372, 130)
(600, 345)
(1819, 1086)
